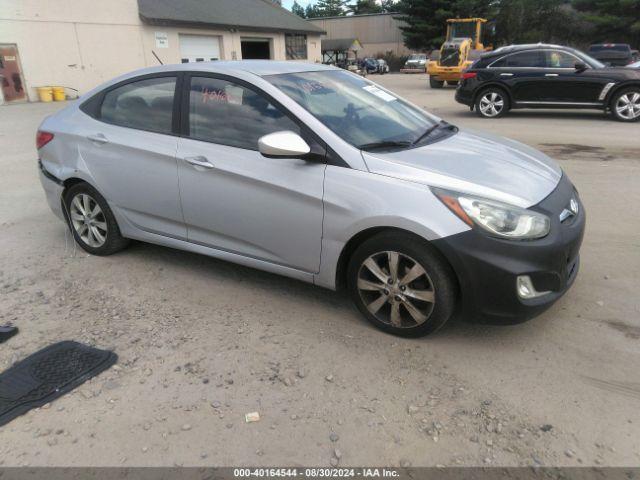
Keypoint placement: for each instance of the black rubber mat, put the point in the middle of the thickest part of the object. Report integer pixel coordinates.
(47, 375)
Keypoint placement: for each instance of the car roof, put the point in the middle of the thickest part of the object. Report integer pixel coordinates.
(498, 52)
(257, 67)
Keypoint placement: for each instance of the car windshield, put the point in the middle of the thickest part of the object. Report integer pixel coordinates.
(357, 110)
(415, 57)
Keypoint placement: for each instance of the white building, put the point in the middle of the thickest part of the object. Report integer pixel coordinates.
(79, 44)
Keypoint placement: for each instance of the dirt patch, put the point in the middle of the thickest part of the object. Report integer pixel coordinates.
(630, 331)
(587, 152)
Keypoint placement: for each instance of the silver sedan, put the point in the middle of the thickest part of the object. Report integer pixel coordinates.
(318, 174)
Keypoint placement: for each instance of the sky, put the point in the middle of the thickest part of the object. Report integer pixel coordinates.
(287, 3)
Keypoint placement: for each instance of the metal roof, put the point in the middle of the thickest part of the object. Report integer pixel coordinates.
(243, 15)
(340, 44)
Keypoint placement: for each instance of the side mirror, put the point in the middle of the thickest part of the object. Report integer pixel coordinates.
(580, 66)
(285, 144)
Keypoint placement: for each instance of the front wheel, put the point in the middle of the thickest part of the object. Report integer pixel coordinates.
(625, 105)
(492, 103)
(402, 285)
(434, 83)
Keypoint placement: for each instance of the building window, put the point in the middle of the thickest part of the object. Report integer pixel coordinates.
(296, 46)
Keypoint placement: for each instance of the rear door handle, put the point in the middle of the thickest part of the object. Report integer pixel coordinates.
(198, 161)
(550, 74)
(98, 138)
(506, 74)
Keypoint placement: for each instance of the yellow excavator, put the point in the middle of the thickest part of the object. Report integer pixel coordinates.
(461, 48)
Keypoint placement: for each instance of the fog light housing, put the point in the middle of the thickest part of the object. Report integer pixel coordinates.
(525, 288)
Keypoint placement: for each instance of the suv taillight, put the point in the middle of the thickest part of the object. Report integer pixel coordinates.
(467, 75)
(42, 138)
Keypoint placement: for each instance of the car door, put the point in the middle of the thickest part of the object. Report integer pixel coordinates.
(522, 73)
(129, 148)
(235, 199)
(566, 85)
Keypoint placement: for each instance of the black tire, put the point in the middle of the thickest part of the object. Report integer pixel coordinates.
(497, 94)
(439, 282)
(433, 83)
(113, 241)
(452, 83)
(616, 101)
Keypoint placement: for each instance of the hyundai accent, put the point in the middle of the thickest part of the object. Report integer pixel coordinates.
(318, 174)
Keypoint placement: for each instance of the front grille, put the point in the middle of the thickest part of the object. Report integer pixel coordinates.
(450, 57)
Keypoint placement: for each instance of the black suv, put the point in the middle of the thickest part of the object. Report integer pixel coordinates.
(548, 76)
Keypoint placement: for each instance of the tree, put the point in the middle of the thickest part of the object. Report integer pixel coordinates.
(330, 8)
(298, 9)
(616, 21)
(426, 19)
(362, 7)
(388, 5)
(311, 11)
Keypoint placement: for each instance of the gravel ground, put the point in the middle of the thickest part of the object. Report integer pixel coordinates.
(202, 342)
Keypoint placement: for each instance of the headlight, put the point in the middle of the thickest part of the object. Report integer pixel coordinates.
(497, 218)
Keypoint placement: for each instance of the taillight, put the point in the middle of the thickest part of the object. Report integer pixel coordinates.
(467, 75)
(42, 138)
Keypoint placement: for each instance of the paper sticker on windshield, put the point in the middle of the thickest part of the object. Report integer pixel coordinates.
(387, 97)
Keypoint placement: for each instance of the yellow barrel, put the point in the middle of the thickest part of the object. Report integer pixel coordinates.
(45, 94)
(58, 94)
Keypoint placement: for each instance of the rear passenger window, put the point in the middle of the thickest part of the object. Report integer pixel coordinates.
(228, 114)
(531, 59)
(145, 105)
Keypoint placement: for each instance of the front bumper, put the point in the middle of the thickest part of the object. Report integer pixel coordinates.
(487, 267)
(53, 189)
(413, 69)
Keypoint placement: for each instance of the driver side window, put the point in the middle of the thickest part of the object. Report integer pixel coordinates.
(560, 59)
(227, 113)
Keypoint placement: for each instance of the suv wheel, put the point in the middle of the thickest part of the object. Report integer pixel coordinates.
(401, 284)
(625, 105)
(433, 83)
(91, 221)
(492, 103)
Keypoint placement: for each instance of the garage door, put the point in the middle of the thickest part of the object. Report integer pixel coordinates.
(199, 48)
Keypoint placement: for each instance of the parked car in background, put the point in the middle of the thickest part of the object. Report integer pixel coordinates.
(548, 76)
(369, 64)
(612, 54)
(416, 63)
(311, 172)
(383, 66)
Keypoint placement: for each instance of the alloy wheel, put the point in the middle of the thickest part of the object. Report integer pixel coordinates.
(396, 289)
(491, 104)
(88, 220)
(628, 106)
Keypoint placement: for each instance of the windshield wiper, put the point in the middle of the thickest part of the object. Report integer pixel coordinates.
(384, 144)
(429, 131)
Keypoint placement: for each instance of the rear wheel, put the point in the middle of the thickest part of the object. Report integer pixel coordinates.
(91, 221)
(625, 105)
(401, 284)
(434, 83)
(492, 103)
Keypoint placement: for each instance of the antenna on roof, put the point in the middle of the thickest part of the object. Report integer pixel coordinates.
(157, 58)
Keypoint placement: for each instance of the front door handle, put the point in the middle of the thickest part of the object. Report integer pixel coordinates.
(198, 161)
(550, 74)
(506, 74)
(98, 138)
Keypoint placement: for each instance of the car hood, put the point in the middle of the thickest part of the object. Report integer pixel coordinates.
(476, 163)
